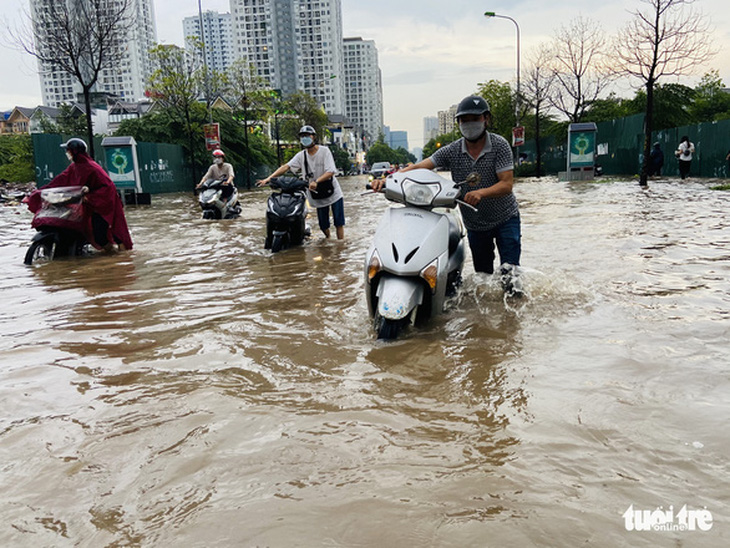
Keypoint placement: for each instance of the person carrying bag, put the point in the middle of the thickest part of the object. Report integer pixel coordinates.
(323, 188)
(324, 193)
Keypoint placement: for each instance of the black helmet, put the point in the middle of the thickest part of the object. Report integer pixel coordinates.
(472, 105)
(74, 146)
(307, 130)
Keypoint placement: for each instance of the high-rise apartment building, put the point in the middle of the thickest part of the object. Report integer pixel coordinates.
(127, 80)
(430, 128)
(296, 45)
(217, 37)
(363, 86)
(447, 120)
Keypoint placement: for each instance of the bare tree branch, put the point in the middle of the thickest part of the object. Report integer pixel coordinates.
(81, 38)
(667, 38)
(579, 66)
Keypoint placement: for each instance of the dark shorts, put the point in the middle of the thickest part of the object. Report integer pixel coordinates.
(338, 214)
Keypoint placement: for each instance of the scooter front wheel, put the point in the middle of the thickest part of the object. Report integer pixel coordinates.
(390, 329)
(40, 252)
(277, 244)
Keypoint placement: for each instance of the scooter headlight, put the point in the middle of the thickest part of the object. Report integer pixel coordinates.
(430, 274)
(374, 266)
(419, 194)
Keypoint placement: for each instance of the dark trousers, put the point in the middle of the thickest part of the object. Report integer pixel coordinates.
(508, 238)
(684, 168)
(101, 228)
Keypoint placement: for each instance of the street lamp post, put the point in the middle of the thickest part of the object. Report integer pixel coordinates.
(205, 60)
(490, 14)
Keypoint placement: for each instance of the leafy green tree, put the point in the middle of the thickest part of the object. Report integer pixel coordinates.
(610, 108)
(300, 109)
(380, 152)
(176, 85)
(165, 126)
(440, 140)
(671, 105)
(16, 158)
(342, 158)
(711, 102)
(501, 101)
(251, 96)
(404, 156)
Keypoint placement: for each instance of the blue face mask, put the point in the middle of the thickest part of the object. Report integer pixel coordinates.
(306, 141)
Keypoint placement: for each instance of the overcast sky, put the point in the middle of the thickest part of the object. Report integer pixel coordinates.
(431, 53)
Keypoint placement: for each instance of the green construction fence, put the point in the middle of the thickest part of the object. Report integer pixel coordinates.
(162, 166)
(620, 145)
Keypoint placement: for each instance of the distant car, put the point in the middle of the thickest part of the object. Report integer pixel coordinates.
(380, 169)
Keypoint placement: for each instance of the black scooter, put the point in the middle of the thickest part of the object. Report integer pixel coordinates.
(286, 211)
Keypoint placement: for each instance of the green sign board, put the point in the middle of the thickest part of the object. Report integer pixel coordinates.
(582, 149)
(120, 157)
(120, 164)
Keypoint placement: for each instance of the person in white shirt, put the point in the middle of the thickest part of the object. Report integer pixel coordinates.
(317, 166)
(684, 155)
(218, 171)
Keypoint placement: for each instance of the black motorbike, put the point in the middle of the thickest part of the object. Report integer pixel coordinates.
(286, 212)
(60, 223)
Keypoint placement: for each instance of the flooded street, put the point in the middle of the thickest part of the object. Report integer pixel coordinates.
(200, 392)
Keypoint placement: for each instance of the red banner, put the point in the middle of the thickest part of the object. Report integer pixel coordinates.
(518, 136)
(212, 134)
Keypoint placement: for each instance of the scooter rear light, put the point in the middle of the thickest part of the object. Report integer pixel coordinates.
(430, 274)
(374, 266)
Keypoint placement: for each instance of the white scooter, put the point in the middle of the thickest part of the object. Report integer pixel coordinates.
(214, 204)
(417, 255)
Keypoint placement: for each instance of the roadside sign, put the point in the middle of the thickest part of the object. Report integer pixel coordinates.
(518, 136)
(212, 134)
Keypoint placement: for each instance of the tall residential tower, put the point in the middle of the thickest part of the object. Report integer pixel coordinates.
(363, 86)
(217, 36)
(127, 80)
(296, 45)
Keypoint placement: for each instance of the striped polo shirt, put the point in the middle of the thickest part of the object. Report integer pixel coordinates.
(495, 157)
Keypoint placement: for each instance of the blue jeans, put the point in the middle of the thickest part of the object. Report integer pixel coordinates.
(509, 244)
(338, 214)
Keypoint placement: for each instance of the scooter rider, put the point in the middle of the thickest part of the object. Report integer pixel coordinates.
(103, 206)
(219, 169)
(497, 218)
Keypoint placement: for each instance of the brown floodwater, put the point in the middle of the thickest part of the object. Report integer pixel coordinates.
(201, 392)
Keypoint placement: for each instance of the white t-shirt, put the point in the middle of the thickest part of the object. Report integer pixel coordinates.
(685, 150)
(320, 163)
(218, 171)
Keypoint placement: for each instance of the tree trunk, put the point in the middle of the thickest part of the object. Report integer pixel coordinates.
(191, 145)
(538, 162)
(248, 148)
(89, 123)
(648, 127)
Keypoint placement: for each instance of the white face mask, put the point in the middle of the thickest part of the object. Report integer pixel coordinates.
(69, 156)
(306, 141)
(472, 131)
(218, 161)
